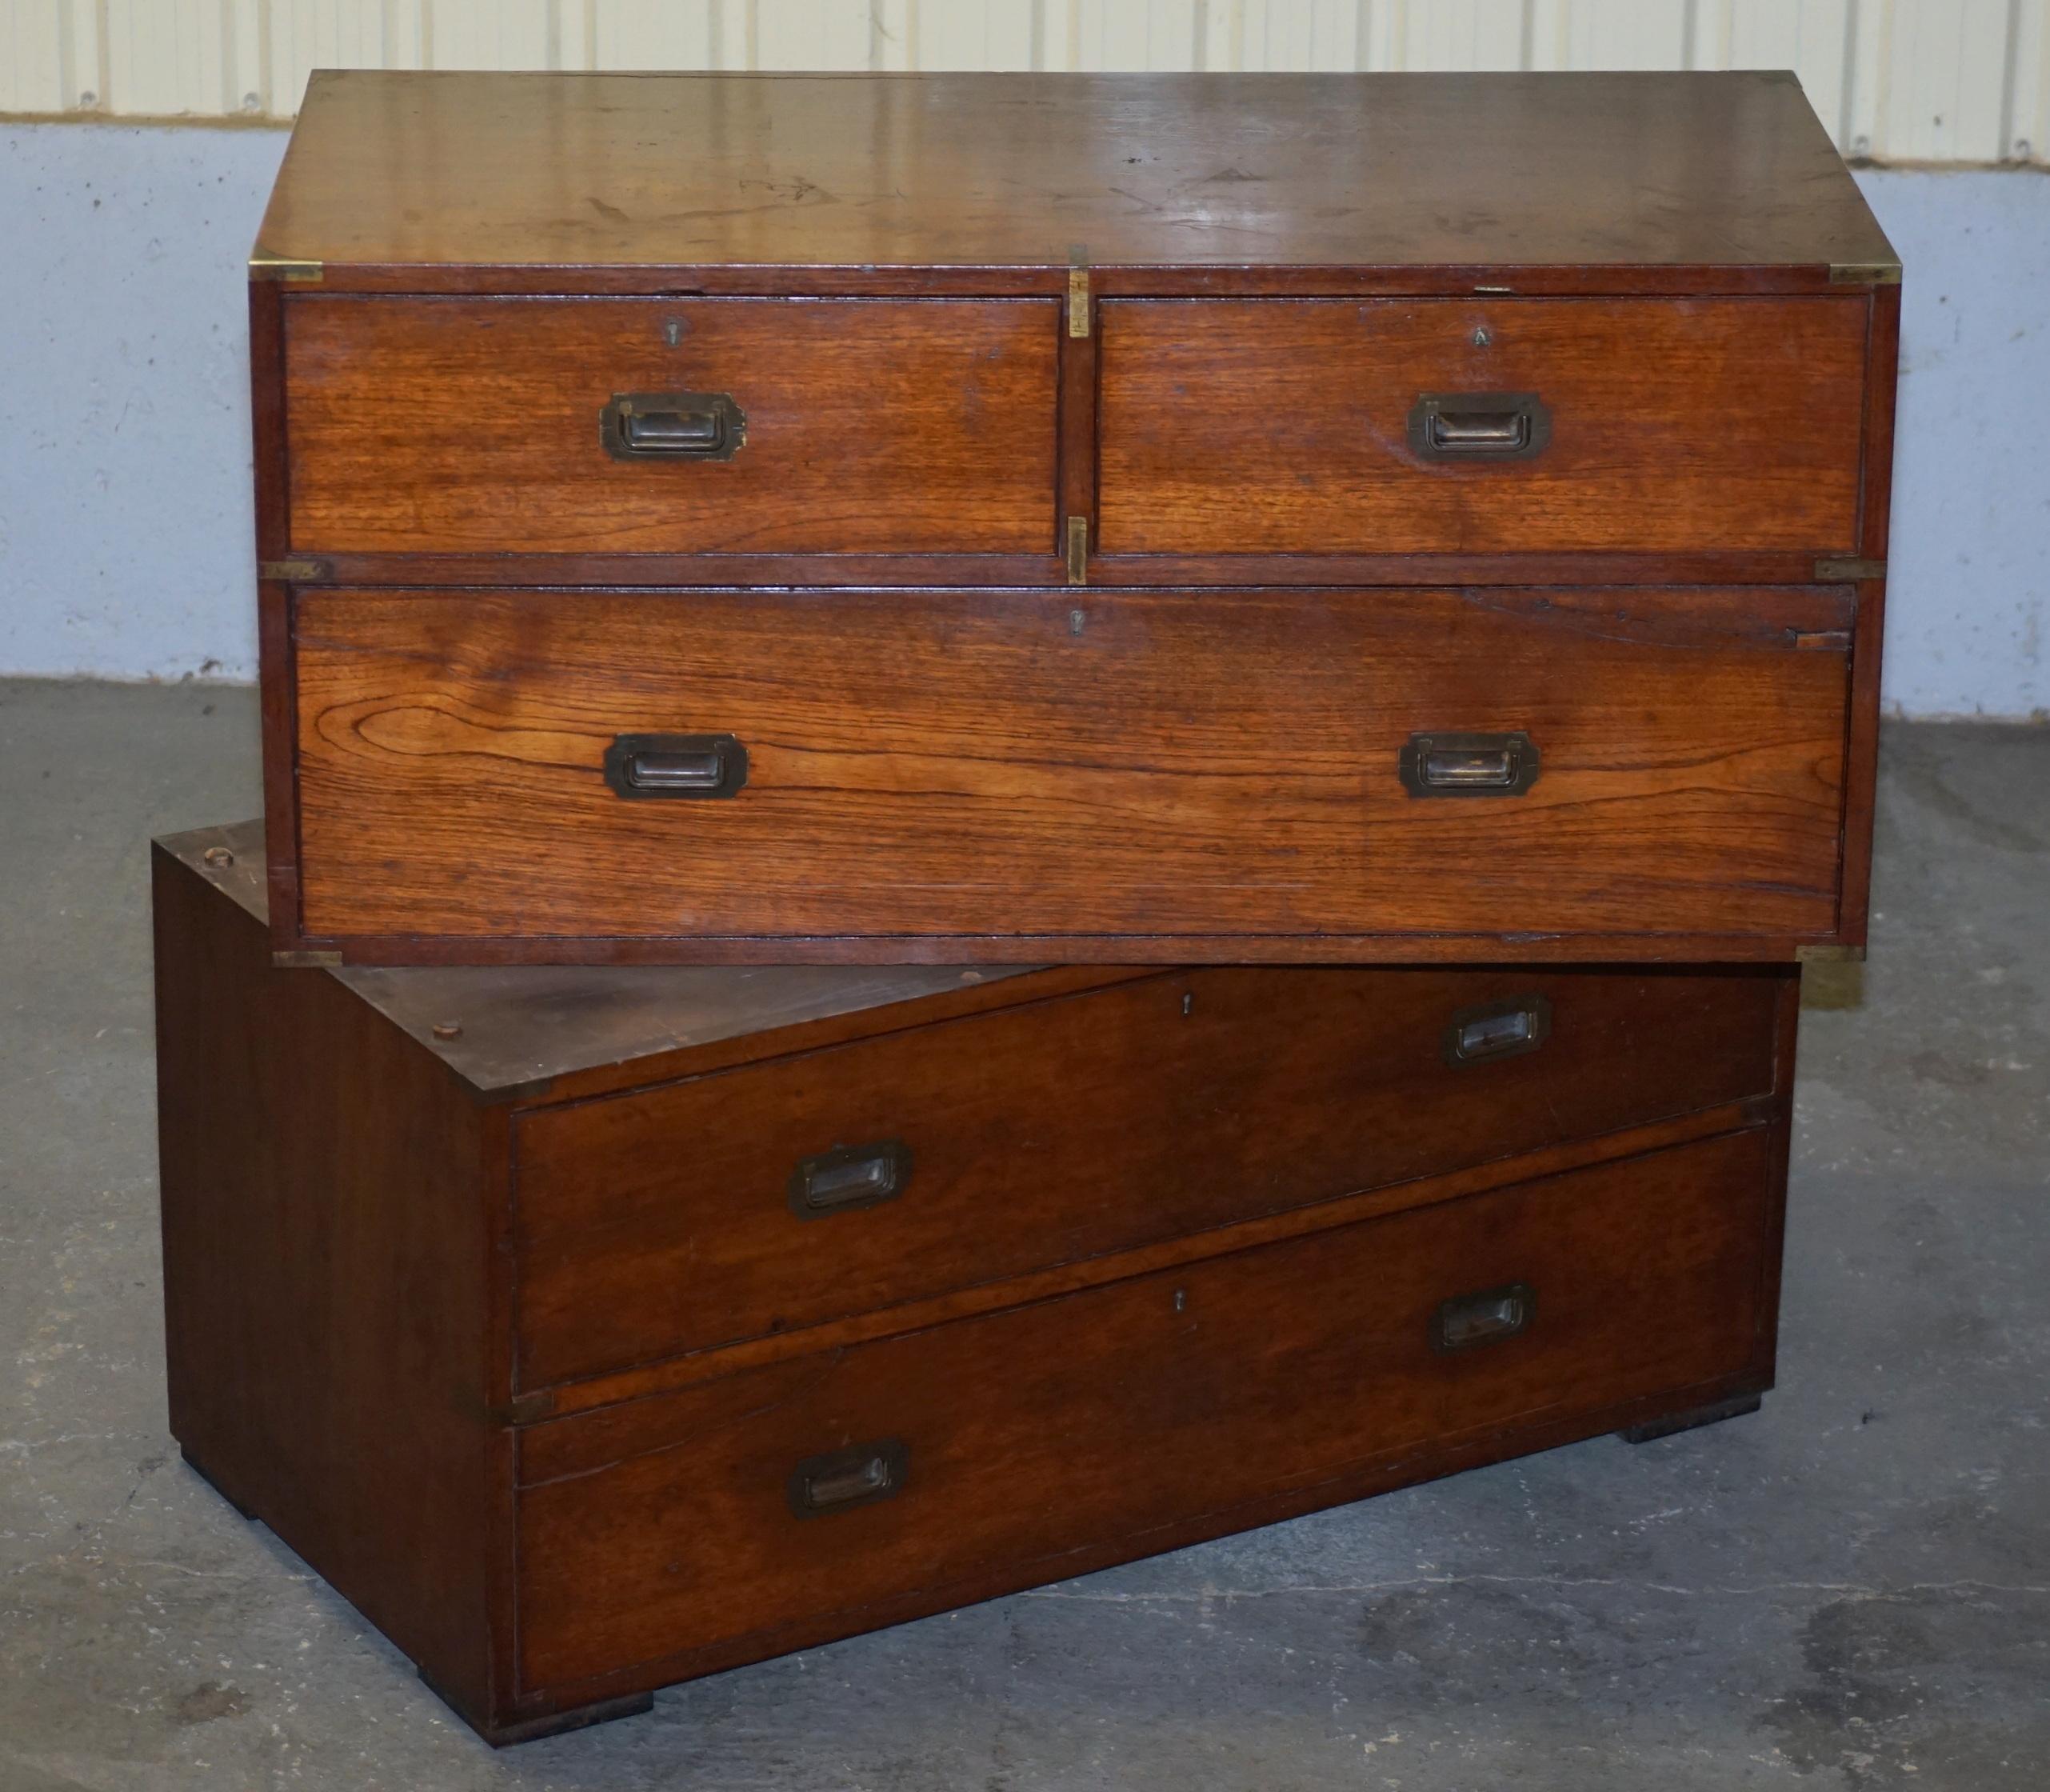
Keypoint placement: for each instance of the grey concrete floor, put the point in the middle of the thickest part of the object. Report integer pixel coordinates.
(1850, 1590)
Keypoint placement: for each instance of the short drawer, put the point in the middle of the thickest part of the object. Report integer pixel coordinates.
(785, 1502)
(684, 426)
(1486, 426)
(1152, 770)
(785, 1195)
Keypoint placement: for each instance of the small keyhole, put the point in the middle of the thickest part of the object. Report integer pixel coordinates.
(1181, 1299)
(1074, 621)
(1481, 338)
(1188, 1002)
(673, 331)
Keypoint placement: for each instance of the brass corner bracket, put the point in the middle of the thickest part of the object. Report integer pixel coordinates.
(1078, 289)
(264, 265)
(1078, 302)
(1864, 273)
(1078, 550)
(291, 572)
(1840, 570)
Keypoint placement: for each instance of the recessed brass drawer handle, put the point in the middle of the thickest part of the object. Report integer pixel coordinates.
(1498, 1029)
(1468, 765)
(672, 426)
(842, 1479)
(849, 1176)
(1479, 425)
(1486, 1317)
(675, 766)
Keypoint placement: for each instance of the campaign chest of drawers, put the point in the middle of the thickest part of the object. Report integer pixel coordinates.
(1124, 519)
(590, 1330)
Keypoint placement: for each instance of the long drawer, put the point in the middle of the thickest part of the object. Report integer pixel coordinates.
(1481, 426)
(787, 1500)
(788, 1194)
(684, 426)
(1331, 773)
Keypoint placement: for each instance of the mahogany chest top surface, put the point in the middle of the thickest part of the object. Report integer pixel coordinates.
(509, 1035)
(871, 172)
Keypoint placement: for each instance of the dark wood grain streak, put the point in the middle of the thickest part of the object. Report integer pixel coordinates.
(970, 764)
(1071, 1129)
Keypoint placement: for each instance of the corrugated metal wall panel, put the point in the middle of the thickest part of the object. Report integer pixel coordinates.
(1625, 34)
(1811, 36)
(649, 34)
(32, 61)
(1940, 80)
(1465, 34)
(980, 36)
(2028, 131)
(1948, 75)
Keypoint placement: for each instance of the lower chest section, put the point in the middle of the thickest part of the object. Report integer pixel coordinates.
(841, 1338)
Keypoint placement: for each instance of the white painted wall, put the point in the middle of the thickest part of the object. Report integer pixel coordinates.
(1968, 585)
(125, 527)
(126, 530)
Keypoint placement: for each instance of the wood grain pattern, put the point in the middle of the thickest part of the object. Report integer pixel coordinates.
(1148, 571)
(1862, 751)
(565, 1033)
(652, 1529)
(658, 1223)
(342, 1223)
(1787, 1036)
(1399, 280)
(1082, 952)
(665, 1374)
(448, 425)
(1677, 425)
(324, 1200)
(620, 173)
(967, 764)
(1547, 1430)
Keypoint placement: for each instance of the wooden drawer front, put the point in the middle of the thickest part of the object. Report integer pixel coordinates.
(668, 1221)
(1284, 425)
(1163, 765)
(665, 1524)
(435, 425)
